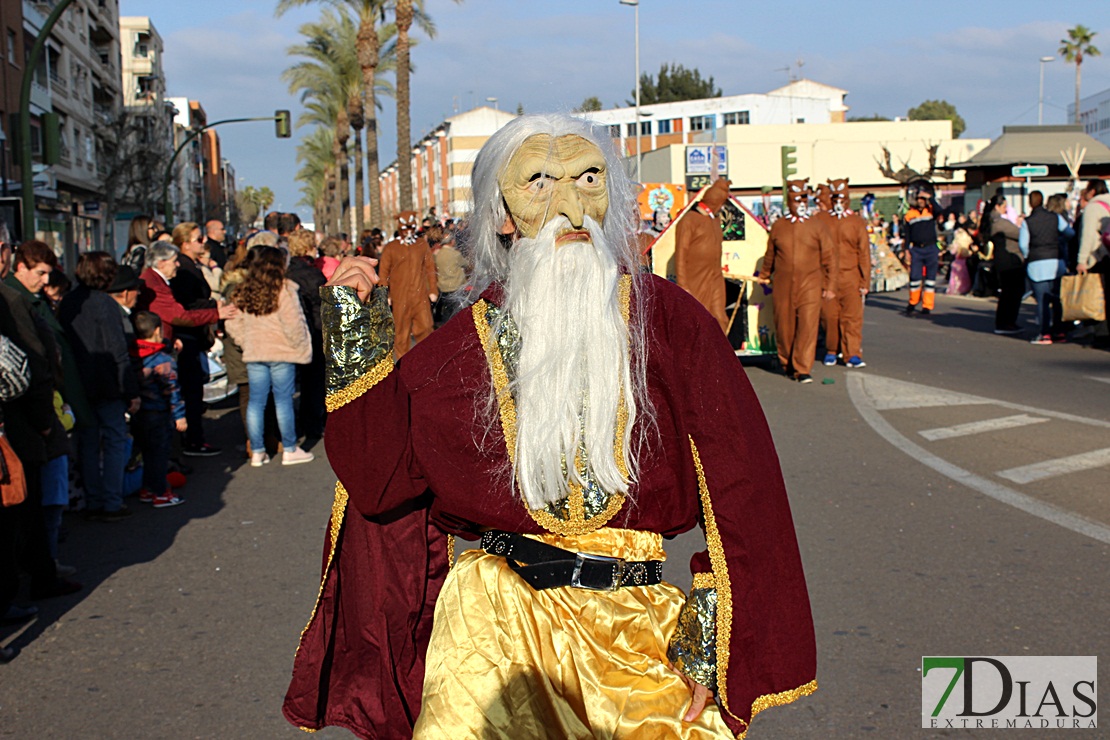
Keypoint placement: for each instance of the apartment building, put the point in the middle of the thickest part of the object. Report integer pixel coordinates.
(441, 165)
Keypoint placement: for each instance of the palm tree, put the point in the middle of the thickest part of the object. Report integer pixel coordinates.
(1076, 46)
(406, 12)
(314, 154)
(327, 78)
(368, 49)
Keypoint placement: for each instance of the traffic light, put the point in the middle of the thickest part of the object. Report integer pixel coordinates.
(281, 124)
(789, 160)
(51, 138)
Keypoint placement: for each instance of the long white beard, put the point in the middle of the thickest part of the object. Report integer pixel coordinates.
(573, 363)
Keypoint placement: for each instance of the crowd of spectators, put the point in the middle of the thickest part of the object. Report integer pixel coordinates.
(112, 373)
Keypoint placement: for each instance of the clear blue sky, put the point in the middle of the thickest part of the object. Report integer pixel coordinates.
(890, 56)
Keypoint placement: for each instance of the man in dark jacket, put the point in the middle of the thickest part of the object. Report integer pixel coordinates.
(215, 233)
(192, 291)
(34, 261)
(29, 425)
(92, 323)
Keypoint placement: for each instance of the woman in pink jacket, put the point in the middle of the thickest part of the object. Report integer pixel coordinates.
(272, 330)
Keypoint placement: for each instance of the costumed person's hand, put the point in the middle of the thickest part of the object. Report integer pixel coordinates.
(828, 295)
(433, 297)
(357, 273)
(864, 291)
(181, 425)
(701, 696)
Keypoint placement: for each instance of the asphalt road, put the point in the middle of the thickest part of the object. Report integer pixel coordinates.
(950, 499)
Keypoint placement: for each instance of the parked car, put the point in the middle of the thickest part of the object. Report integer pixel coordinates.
(217, 388)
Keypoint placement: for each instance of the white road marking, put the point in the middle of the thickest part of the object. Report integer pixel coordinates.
(885, 394)
(1101, 380)
(1059, 466)
(979, 427)
(864, 404)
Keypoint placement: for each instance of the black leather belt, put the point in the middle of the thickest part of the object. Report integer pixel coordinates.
(546, 566)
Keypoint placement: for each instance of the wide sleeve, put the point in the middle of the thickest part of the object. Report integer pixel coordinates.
(747, 623)
(368, 443)
(360, 660)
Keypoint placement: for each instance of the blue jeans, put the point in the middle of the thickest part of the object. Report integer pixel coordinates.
(103, 448)
(264, 377)
(1049, 314)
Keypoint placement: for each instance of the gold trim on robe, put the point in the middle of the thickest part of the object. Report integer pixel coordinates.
(358, 342)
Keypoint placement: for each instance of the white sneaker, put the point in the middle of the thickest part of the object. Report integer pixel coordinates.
(296, 456)
(258, 459)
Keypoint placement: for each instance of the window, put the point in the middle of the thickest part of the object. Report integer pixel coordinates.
(664, 126)
(738, 118)
(702, 123)
(142, 45)
(630, 129)
(645, 128)
(11, 46)
(800, 120)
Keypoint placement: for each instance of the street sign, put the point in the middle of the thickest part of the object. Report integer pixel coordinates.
(699, 160)
(1029, 170)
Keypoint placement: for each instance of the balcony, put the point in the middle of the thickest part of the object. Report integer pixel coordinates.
(59, 86)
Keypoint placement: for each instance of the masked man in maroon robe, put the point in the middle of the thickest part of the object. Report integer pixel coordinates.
(577, 413)
(408, 271)
(698, 243)
(799, 265)
(842, 316)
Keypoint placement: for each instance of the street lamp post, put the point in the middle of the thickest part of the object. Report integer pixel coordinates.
(1040, 99)
(494, 102)
(636, 126)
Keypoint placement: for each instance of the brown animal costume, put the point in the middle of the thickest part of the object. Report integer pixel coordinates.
(842, 316)
(799, 262)
(409, 271)
(698, 245)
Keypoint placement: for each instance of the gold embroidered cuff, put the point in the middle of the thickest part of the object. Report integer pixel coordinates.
(693, 648)
(358, 342)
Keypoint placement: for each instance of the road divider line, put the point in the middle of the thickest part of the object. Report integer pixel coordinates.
(992, 489)
(1058, 466)
(979, 427)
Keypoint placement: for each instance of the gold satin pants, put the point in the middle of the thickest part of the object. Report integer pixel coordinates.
(506, 661)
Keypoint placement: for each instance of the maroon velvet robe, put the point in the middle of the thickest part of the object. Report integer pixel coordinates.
(417, 465)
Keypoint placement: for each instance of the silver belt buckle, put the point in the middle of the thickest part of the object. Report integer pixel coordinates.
(581, 558)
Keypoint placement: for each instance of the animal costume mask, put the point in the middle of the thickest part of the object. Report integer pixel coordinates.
(838, 192)
(549, 177)
(796, 195)
(407, 222)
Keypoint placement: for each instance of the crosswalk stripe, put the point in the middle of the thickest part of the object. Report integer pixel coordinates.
(978, 427)
(1058, 466)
